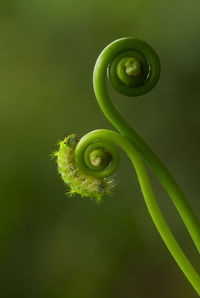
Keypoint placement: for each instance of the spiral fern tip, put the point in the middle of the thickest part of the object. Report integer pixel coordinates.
(76, 180)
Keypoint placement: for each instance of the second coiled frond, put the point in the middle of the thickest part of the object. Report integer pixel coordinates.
(86, 166)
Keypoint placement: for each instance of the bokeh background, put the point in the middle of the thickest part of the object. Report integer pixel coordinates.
(53, 246)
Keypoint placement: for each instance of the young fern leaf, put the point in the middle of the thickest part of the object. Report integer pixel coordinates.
(86, 165)
(78, 181)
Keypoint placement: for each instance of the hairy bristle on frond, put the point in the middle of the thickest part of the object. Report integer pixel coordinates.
(77, 181)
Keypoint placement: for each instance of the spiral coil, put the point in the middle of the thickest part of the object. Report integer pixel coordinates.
(133, 68)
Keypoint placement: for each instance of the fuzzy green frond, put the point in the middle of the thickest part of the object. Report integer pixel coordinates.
(77, 181)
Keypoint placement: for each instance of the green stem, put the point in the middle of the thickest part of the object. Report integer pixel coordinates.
(152, 205)
(160, 170)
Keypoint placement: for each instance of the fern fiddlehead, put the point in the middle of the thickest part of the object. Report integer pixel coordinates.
(87, 164)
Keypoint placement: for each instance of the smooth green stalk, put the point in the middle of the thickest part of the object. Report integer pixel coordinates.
(99, 81)
(152, 205)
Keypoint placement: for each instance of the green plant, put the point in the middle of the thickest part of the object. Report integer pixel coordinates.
(87, 164)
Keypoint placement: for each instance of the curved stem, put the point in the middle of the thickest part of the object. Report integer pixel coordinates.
(160, 170)
(152, 205)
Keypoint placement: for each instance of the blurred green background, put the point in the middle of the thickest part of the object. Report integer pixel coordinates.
(53, 246)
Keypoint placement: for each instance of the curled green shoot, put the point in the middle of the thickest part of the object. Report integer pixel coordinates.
(133, 68)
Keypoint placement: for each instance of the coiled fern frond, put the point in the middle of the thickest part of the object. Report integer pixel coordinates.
(87, 165)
